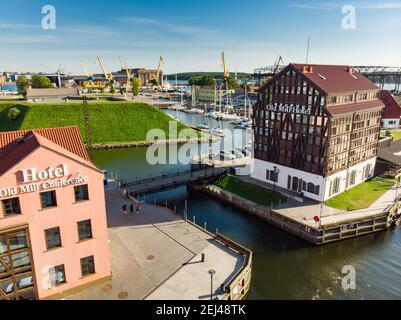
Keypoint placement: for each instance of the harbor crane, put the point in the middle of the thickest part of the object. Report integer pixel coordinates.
(161, 63)
(90, 83)
(278, 64)
(108, 76)
(84, 67)
(129, 77)
(223, 61)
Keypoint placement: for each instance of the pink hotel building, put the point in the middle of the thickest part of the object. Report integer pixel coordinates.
(53, 229)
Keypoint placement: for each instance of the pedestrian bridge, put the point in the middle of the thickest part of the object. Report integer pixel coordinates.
(172, 181)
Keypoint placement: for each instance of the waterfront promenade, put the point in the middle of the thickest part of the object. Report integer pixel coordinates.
(157, 255)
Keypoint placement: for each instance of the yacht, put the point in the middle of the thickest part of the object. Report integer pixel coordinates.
(218, 132)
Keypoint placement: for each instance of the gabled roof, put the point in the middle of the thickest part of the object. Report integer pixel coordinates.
(32, 141)
(332, 78)
(355, 107)
(68, 138)
(392, 109)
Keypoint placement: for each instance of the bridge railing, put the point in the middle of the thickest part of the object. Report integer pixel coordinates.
(126, 184)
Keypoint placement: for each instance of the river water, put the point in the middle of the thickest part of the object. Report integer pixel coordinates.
(285, 267)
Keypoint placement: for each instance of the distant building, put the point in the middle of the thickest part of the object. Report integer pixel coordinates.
(392, 111)
(210, 93)
(144, 75)
(8, 87)
(239, 99)
(53, 228)
(56, 93)
(317, 130)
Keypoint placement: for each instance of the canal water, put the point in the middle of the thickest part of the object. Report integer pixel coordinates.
(285, 267)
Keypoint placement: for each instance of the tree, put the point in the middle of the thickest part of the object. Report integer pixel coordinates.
(13, 113)
(5, 76)
(202, 81)
(22, 85)
(41, 82)
(136, 86)
(232, 83)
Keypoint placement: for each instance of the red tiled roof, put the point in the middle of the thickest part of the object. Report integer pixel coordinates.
(392, 109)
(68, 138)
(25, 145)
(333, 79)
(355, 107)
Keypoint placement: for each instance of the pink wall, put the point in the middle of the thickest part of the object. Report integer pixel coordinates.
(65, 216)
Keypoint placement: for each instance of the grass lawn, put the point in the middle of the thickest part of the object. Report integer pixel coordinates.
(363, 195)
(111, 122)
(396, 134)
(250, 191)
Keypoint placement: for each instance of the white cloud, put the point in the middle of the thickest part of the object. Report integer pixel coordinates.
(379, 5)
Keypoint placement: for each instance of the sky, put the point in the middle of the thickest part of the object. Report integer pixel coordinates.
(191, 34)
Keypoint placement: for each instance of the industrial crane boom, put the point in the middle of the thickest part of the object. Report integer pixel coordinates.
(223, 60)
(108, 76)
(161, 62)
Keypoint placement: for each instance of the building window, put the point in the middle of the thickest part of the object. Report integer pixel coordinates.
(81, 193)
(53, 238)
(352, 179)
(335, 187)
(87, 266)
(368, 169)
(272, 176)
(57, 276)
(48, 199)
(11, 207)
(85, 230)
(311, 188)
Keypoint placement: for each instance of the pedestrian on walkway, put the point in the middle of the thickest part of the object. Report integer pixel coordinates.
(131, 209)
(138, 209)
(124, 207)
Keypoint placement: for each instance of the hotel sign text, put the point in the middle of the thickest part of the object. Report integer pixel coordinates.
(290, 109)
(34, 180)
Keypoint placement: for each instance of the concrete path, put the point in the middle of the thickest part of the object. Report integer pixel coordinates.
(158, 252)
(306, 211)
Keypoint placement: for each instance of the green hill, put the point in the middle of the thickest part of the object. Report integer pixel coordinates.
(111, 122)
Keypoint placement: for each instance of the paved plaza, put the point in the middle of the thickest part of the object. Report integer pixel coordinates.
(158, 255)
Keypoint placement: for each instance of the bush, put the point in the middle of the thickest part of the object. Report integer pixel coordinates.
(13, 113)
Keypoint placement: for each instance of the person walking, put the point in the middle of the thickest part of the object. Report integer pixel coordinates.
(131, 209)
(138, 209)
(124, 207)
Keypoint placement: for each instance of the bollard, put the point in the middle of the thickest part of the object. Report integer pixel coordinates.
(175, 209)
(194, 219)
(217, 231)
(205, 226)
(203, 257)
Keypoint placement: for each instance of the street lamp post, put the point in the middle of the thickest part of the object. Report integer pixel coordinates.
(275, 178)
(212, 274)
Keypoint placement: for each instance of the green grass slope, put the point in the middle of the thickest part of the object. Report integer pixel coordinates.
(250, 191)
(111, 122)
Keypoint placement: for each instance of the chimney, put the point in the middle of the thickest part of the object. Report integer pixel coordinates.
(351, 70)
(307, 69)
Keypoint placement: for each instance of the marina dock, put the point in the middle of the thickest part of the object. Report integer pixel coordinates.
(298, 218)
